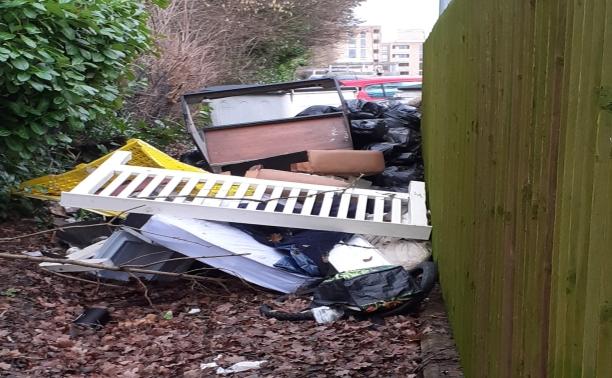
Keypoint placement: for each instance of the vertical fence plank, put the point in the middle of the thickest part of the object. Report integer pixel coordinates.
(517, 141)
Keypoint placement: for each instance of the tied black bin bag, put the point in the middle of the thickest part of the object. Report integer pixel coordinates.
(402, 115)
(366, 131)
(381, 292)
(392, 128)
(399, 140)
(377, 289)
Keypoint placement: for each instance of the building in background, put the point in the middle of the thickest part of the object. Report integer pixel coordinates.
(361, 52)
(404, 56)
(364, 53)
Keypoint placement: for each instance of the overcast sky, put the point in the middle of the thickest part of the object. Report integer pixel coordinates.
(398, 14)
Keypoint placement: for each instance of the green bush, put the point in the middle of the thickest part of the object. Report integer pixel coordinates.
(62, 65)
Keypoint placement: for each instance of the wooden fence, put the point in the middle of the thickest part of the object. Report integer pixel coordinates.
(518, 149)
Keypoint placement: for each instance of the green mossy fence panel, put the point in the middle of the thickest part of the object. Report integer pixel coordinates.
(518, 150)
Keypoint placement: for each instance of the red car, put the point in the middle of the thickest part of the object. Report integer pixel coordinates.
(382, 87)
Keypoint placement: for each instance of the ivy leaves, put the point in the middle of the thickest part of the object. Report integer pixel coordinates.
(61, 64)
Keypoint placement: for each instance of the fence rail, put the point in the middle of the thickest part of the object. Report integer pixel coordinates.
(518, 149)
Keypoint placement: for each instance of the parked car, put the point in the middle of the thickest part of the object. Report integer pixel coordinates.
(384, 87)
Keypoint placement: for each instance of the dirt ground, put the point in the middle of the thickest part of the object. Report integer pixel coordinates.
(37, 337)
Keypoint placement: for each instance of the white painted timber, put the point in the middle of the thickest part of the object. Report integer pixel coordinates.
(322, 207)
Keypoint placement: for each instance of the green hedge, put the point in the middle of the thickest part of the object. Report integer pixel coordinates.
(61, 66)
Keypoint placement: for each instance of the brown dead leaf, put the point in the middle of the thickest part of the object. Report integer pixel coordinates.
(64, 342)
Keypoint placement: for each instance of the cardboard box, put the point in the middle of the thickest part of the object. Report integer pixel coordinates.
(275, 175)
(342, 163)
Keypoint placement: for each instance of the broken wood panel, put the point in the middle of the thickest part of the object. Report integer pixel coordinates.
(228, 145)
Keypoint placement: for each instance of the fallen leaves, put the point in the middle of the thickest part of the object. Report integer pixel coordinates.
(37, 339)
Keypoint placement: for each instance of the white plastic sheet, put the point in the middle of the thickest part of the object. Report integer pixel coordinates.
(201, 239)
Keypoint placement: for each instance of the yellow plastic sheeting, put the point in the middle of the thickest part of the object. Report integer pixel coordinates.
(143, 155)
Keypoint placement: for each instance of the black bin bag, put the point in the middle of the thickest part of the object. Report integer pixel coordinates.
(359, 109)
(402, 115)
(376, 289)
(368, 131)
(398, 176)
(317, 110)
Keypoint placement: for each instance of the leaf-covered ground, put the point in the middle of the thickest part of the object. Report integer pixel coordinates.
(37, 337)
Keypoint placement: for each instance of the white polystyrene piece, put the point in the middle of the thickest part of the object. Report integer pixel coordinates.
(356, 253)
(316, 206)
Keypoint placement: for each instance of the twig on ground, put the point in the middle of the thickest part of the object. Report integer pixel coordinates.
(146, 290)
(105, 267)
(98, 283)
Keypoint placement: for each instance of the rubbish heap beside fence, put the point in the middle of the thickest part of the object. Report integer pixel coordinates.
(518, 151)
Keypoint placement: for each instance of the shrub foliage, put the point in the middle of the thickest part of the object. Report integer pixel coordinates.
(62, 63)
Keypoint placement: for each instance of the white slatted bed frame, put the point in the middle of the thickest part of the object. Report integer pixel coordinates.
(187, 194)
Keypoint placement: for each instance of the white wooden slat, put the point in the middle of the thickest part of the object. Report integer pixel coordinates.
(222, 192)
(417, 203)
(187, 189)
(328, 200)
(132, 186)
(169, 188)
(151, 186)
(309, 202)
(277, 192)
(187, 210)
(103, 173)
(343, 208)
(396, 210)
(240, 193)
(407, 218)
(285, 184)
(379, 209)
(203, 193)
(292, 200)
(260, 190)
(116, 183)
(362, 205)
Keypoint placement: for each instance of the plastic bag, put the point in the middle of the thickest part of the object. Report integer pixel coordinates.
(402, 115)
(389, 150)
(374, 289)
(406, 158)
(317, 110)
(368, 131)
(400, 176)
(359, 106)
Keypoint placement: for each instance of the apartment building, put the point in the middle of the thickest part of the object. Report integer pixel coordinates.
(361, 52)
(405, 54)
(365, 53)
